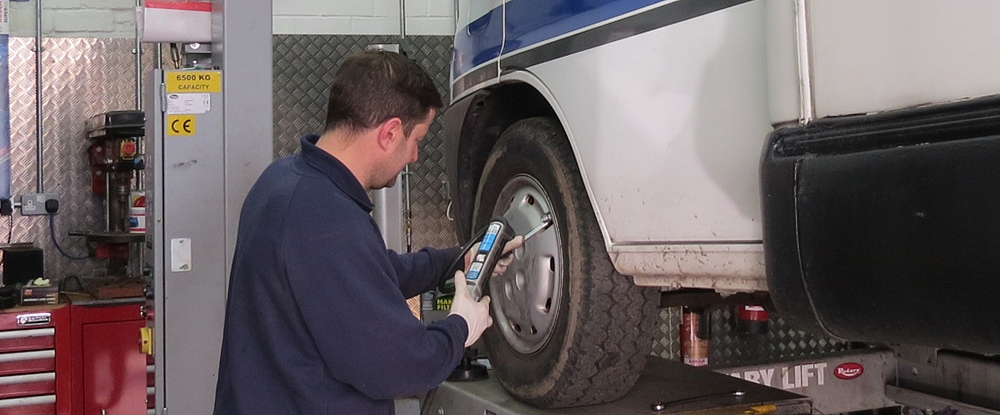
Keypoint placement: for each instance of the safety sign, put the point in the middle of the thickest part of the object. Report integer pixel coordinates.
(180, 125)
(193, 81)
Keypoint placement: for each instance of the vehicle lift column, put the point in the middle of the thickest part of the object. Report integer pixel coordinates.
(209, 138)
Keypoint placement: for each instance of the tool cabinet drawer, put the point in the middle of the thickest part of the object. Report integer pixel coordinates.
(35, 405)
(27, 318)
(19, 363)
(27, 339)
(29, 363)
(35, 384)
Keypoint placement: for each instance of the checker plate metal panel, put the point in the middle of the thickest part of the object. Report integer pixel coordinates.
(81, 77)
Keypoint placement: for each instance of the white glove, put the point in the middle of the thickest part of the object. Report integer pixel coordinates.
(476, 314)
(505, 259)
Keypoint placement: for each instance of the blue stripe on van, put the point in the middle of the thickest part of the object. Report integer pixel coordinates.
(530, 22)
(656, 17)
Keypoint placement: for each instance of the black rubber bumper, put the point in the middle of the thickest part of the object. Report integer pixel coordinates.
(886, 228)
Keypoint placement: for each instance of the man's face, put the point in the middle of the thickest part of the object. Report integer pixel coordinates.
(406, 152)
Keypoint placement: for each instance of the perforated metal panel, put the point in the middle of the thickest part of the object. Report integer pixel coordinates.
(81, 78)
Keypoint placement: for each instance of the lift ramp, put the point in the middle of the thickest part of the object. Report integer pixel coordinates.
(665, 387)
(847, 381)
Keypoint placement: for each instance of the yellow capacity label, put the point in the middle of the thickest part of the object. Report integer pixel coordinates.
(194, 81)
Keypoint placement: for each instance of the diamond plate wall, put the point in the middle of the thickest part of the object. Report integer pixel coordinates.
(781, 341)
(303, 71)
(666, 339)
(80, 77)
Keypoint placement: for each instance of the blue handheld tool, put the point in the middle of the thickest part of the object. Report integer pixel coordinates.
(498, 233)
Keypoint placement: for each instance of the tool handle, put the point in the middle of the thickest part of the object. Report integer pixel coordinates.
(490, 250)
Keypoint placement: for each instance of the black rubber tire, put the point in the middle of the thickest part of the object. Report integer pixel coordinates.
(603, 334)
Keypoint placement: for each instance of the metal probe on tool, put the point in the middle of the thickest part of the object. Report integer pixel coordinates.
(546, 222)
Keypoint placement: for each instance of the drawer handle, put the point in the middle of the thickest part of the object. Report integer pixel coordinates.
(24, 334)
(34, 400)
(32, 378)
(22, 356)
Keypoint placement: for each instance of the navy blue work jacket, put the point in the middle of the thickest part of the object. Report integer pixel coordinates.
(316, 318)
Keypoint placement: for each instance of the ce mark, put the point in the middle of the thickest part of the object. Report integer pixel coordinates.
(180, 125)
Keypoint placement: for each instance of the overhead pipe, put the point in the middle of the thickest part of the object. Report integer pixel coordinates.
(39, 130)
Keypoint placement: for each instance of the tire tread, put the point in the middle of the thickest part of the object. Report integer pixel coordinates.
(613, 332)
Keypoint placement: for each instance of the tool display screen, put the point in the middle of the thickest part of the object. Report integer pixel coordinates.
(481, 254)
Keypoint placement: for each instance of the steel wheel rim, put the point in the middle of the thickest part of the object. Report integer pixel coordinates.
(526, 298)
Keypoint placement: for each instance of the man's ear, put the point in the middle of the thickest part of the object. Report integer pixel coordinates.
(390, 134)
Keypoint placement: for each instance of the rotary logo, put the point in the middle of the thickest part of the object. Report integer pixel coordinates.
(848, 371)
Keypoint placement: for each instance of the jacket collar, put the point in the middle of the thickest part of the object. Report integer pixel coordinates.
(336, 171)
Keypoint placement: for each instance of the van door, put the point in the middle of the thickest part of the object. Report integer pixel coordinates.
(479, 39)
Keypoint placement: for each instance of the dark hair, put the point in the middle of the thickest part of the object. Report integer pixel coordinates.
(375, 86)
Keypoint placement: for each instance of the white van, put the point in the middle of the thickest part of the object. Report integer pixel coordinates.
(639, 126)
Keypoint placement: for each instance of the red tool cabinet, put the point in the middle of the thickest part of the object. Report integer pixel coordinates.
(109, 371)
(35, 361)
(72, 360)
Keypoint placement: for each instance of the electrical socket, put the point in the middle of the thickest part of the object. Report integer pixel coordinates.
(34, 203)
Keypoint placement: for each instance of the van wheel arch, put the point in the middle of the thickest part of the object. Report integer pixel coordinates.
(489, 114)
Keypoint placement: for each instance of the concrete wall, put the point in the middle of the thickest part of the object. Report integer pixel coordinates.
(116, 18)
